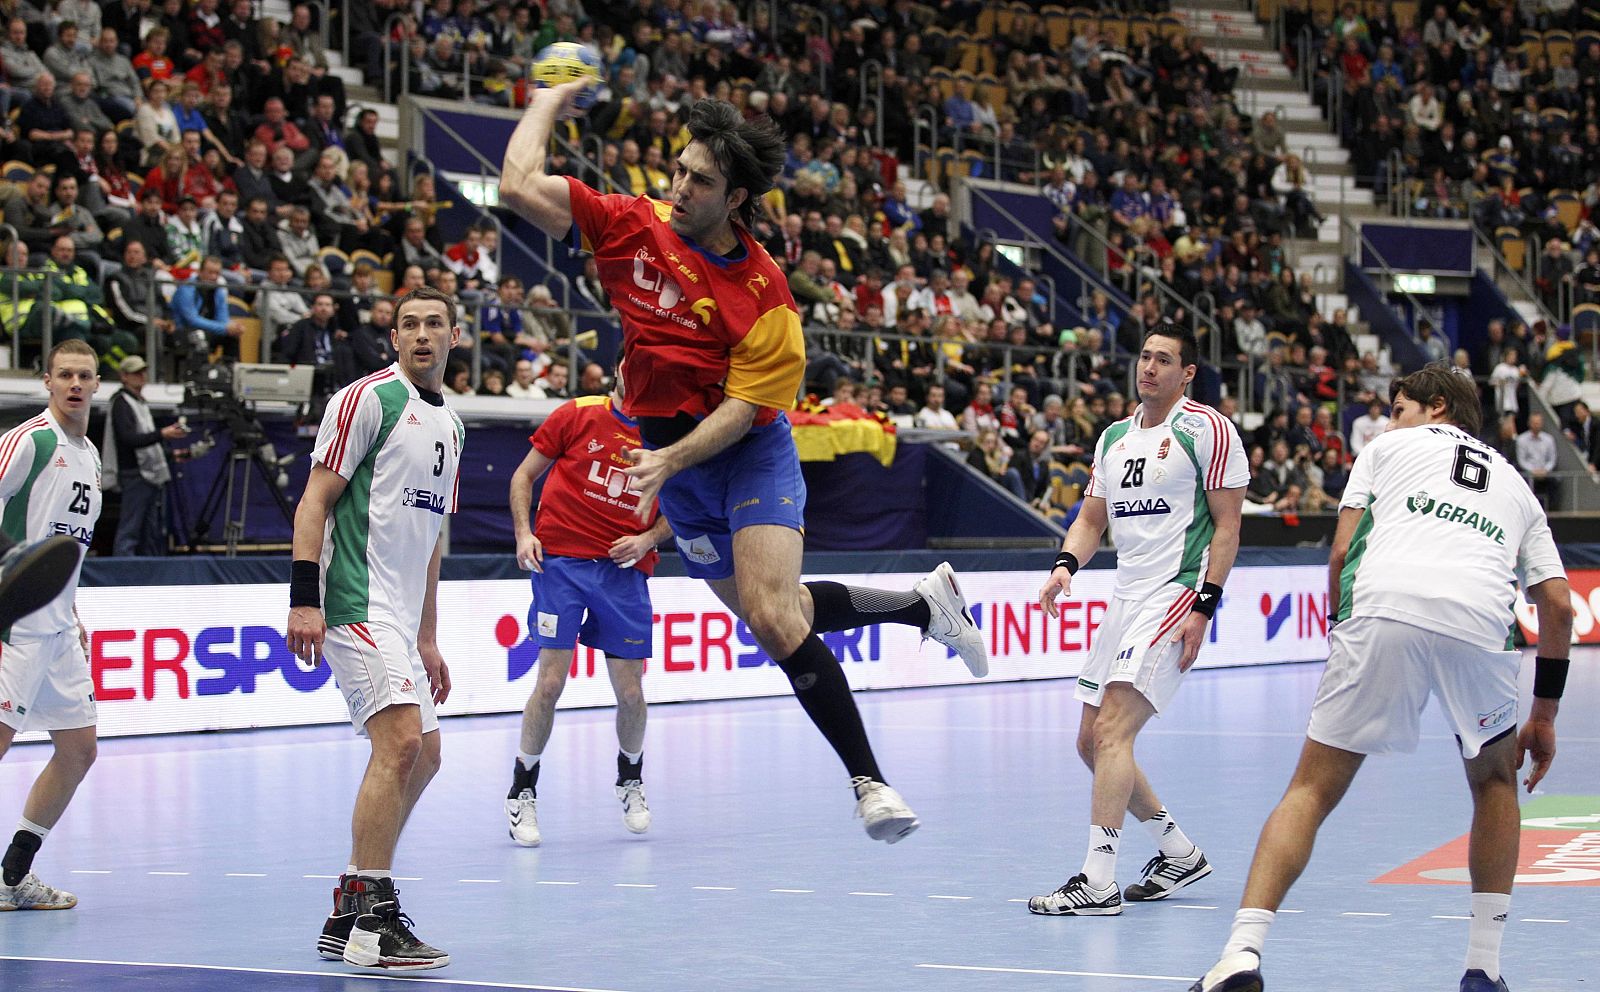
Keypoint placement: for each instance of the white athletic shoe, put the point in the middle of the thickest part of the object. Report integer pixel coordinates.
(30, 893)
(523, 819)
(887, 816)
(635, 811)
(1236, 972)
(949, 621)
(1077, 898)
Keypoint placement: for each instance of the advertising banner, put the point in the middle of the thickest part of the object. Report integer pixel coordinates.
(195, 657)
(1585, 584)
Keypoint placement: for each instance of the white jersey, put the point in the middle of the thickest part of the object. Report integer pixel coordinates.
(1447, 523)
(49, 485)
(401, 455)
(1154, 481)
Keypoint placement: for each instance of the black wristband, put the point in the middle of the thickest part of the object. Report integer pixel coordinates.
(1206, 600)
(305, 584)
(1550, 677)
(1068, 561)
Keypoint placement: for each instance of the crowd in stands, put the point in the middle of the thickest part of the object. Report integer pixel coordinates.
(1490, 112)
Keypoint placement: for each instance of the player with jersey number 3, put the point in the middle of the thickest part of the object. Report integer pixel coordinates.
(1170, 482)
(363, 593)
(1434, 526)
(714, 356)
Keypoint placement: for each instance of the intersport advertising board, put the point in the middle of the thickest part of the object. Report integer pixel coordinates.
(212, 657)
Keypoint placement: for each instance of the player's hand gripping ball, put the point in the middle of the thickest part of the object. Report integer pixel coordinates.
(570, 62)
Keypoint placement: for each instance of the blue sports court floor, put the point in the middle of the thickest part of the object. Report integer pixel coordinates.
(206, 862)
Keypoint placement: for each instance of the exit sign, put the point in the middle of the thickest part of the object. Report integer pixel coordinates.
(1424, 285)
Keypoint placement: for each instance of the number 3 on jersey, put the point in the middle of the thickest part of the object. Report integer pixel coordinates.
(1133, 473)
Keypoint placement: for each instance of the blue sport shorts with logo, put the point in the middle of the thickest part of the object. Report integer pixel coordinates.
(592, 602)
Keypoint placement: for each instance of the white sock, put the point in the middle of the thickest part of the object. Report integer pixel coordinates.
(1250, 928)
(374, 873)
(1165, 832)
(350, 869)
(33, 828)
(528, 760)
(1489, 912)
(632, 756)
(1100, 864)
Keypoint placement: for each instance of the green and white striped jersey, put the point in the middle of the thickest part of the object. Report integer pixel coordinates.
(1448, 521)
(49, 485)
(1154, 481)
(401, 453)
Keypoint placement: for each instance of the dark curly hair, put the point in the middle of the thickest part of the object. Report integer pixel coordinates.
(749, 153)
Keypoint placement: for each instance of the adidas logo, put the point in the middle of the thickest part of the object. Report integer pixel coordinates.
(411, 419)
(1105, 849)
(61, 462)
(406, 686)
(5, 706)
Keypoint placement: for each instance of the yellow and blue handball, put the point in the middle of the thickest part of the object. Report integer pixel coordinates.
(570, 62)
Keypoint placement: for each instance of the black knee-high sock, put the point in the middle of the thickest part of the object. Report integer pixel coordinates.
(836, 606)
(820, 685)
(18, 859)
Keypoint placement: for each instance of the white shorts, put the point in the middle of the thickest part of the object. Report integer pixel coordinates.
(1134, 644)
(1380, 673)
(377, 666)
(45, 684)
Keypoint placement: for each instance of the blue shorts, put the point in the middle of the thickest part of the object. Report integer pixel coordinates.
(593, 602)
(756, 480)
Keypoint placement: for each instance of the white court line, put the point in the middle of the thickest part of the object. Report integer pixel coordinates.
(1179, 905)
(798, 892)
(635, 885)
(1293, 911)
(407, 878)
(417, 980)
(1452, 917)
(953, 898)
(715, 888)
(333, 877)
(546, 882)
(1546, 921)
(245, 874)
(172, 874)
(1366, 914)
(872, 893)
(1046, 971)
(89, 871)
(478, 881)
(1016, 900)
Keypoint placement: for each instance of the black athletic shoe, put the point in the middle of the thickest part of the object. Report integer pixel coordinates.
(1236, 972)
(1162, 876)
(336, 931)
(1477, 980)
(381, 939)
(32, 575)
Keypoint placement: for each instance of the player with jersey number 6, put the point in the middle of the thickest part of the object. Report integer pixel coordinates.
(590, 557)
(714, 358)
(363, 593)
(1434, 527)
(49, 485)
(1170, 482)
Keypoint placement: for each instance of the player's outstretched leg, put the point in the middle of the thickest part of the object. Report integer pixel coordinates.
(1320, 781)
(32, 575)
(766, 577)
(626, 677)
(74, 753)
(936, 606)
(1492, 859)
(538, 717)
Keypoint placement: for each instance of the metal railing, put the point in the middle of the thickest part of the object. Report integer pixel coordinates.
(1500, 266)
(866, 347)
(42, 301)
(871, 78)
(389, 42)
(1351, 247)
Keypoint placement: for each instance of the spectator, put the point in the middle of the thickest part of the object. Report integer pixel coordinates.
(993, 460)
(933, 415)
(1536, 457)
(279, 305)
(1585, 434)
(116, 83)
(522, 384)
(44, 124)
(1032, 465)
(297, 241)
(155, 125)
(201, 304)
(1368, 426)
(1505, 381)
(83, 110)
(22, 66)
(135, 464)
(277, 130)
(554, 384)
(371, 345)
(149, 226)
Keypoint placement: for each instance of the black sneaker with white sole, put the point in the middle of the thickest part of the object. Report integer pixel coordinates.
(381, 938)
(1162, 876)
(336, 931)
(31, 575)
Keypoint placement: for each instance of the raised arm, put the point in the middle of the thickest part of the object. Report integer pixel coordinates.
(524, 186)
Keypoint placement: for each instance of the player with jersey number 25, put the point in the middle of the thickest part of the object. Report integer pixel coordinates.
(714, 357)
(1169, 481)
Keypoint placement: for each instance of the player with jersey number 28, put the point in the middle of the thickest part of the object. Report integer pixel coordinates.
(363, 593)
(714, 358)
(1434, 527)
(49, 485)
(1170, 483)
(591, 558)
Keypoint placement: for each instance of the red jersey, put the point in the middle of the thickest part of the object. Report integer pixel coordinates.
(695, 327)
(588, 501)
